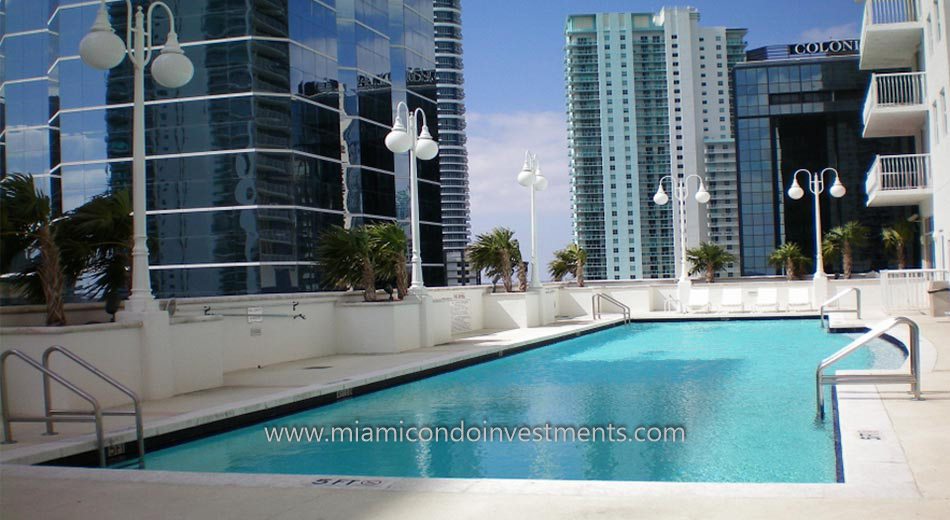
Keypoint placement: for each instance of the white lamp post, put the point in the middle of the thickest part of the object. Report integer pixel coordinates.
(816, 185)
(423, 147)
(102, 49)
(680, 189)
(531, 178)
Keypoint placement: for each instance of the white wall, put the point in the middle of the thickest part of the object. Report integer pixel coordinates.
(111, 347)
(277, 337)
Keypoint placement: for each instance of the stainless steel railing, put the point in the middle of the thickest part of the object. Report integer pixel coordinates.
(51, 416)
(824, 310)
(136, 402)
(913, 378)
(596, 303)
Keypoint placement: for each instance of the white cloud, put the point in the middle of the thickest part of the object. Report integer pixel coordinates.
(835, 32)
(496, 146)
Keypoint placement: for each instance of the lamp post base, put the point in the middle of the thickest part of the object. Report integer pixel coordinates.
(683, 287)
(136, 305)
(820, 288)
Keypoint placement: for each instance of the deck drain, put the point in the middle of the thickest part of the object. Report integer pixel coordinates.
(869, 435)
(316, 368)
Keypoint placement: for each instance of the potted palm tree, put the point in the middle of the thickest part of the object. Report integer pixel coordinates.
(346, 258)
(388, 244)
(847, 238)
(708, 258)
(497, 253)
(790, 258)
(896, 239)
(569, 260)
(96, 239)
(28, 230)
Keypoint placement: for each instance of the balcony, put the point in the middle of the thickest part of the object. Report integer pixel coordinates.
(899, 180)
(890, 34)
(895, 105)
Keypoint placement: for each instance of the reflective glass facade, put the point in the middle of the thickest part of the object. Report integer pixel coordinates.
(804, 113)
(278, 135)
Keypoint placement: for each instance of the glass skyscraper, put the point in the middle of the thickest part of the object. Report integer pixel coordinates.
(278, 135)
(453, 157)
(803, 112)
(647, 96)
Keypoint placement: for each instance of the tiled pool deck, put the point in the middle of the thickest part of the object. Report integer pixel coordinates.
(907, 471)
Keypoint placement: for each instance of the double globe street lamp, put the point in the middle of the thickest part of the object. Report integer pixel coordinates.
(531, 178)
(102, 49)
(420, 146)
(680, 188)
(816, 185)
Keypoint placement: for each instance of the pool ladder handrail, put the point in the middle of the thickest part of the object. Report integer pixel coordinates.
(595, 303)
(913, 378)
(51, 416)
(670, 303)
(824, 311)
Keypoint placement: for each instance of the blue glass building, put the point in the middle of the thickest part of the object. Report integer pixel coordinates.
(803, 112)
(278, 135)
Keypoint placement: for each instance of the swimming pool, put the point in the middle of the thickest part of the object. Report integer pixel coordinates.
(742, 391)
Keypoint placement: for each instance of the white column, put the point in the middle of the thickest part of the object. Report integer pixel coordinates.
(141, 299)
(816, 189)
(418, 285)
(535, 277)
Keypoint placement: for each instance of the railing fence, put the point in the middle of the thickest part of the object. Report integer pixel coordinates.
(906, 290)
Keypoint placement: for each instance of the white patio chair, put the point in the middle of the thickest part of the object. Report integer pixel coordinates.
(732, 299)
(698, 300)
(799, 298)
(767, 298)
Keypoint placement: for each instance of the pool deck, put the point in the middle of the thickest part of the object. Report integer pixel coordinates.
(914, 444)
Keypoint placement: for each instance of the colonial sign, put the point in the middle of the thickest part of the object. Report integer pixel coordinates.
(829, 48)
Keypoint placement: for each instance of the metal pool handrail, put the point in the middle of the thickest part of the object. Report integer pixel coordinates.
(913, 379)
(136, 402)
(96, 414)
(595, 302)
(823, 311)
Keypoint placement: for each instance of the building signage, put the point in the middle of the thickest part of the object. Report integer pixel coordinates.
(829, 48)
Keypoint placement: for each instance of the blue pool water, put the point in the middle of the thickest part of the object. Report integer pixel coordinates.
(742, 390)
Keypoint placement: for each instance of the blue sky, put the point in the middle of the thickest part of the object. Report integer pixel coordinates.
(514, 86)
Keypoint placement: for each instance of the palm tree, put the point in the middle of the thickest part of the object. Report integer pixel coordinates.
(789, 257)
(569, 260)
(522, 271)
(847, 238)
(346, 257)
(896, 238)
(26, 228)
(497, 253)
(831, 252)
(388, 242)
(96, 238)
(708, 258)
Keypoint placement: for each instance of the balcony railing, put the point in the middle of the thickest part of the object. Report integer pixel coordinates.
(890, 33)
(901, 89)
(895, 105)
(898, 180)
(889, 11)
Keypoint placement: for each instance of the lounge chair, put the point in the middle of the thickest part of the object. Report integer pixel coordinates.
(767, 299)
(732, 299)
(799, 298)
(698, 300)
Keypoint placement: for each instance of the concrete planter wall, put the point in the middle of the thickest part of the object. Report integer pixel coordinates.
(377, 328)
(520, 310)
